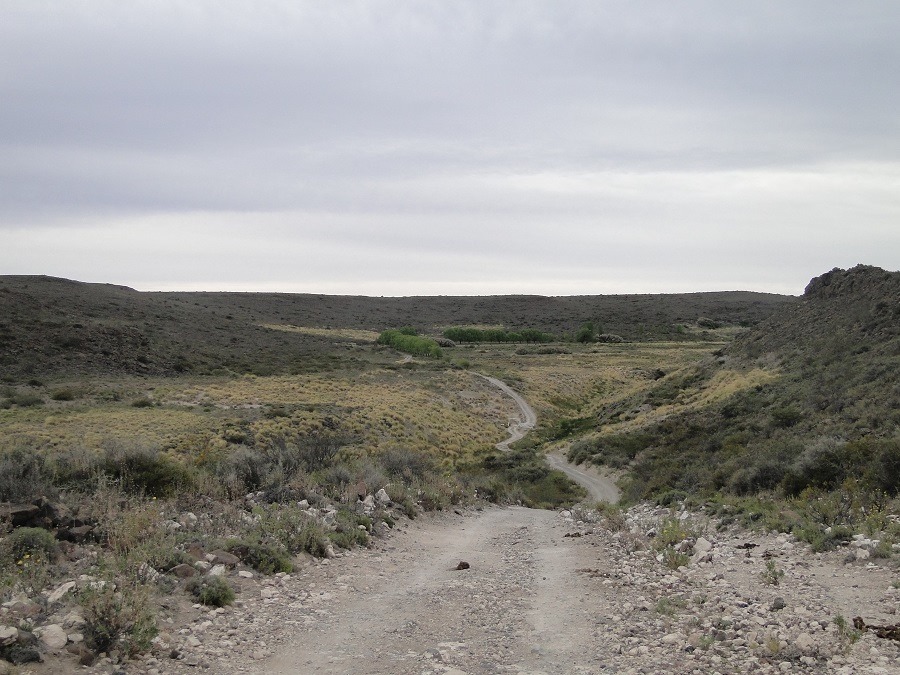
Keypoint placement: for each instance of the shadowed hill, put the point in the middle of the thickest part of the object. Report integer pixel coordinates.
(52, 325)
(842, 314)
(822, 406)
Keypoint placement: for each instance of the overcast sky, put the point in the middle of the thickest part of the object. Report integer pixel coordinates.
(449, 147)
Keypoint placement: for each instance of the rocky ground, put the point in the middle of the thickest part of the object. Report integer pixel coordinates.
(544, 592)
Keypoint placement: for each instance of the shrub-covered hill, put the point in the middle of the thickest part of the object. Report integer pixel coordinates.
(50, 325)
(807, 399)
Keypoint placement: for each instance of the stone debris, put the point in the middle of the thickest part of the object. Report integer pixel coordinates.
(716, 613)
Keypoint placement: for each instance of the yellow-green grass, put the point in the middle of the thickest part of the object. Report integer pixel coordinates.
(450, 414)
(580, 382)
(338, 333)
(89, 427)
(722, 385)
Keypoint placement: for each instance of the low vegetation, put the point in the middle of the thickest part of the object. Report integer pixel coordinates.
(466, 334)
(795, 425)
(406, 340)
(268, 442)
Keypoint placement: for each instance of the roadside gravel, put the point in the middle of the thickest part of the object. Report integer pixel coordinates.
(548, 592)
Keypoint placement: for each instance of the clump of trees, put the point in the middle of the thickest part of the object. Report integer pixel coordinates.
(407, 340)
(464, 334)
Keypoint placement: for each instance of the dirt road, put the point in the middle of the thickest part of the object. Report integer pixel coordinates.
(545, 593)
(549, 594)
(519, 608)
(518, 428)
(601, 488)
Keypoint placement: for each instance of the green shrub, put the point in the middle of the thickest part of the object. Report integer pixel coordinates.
(141, 469)
(670, 606)
(884, 549)
(117, 617)
(63, 395)
(672, 531)
(553, 490)
(411, 344)
(142, 402)
(823, 539)
(268, 557)
(406, 464)
(773, 574)
(26, 400)
(32, 542)
(585, 333)
(24, 476)
(293, 529)
(671, 497)
(787, 416)
(211, 591)
(432, 499)
(348, 533)
(522, 475)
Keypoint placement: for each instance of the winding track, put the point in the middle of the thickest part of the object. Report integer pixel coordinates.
(517, 430)
(404, 610)
(599, 487)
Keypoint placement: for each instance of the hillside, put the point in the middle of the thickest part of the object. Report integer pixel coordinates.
(809, 398)
(52, 325)
(195, 480)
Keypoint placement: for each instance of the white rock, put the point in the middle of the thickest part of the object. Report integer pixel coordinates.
(382, 496)
(702, 545)
(59, 592)
(52, 636)
(804, 642)
(8, 635)
(218, 571)
(188, 519)
(73, 620)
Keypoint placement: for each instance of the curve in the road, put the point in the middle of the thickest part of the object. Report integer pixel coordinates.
(599, 487)
(517, 430)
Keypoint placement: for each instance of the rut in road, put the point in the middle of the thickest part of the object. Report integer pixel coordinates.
(520, 608)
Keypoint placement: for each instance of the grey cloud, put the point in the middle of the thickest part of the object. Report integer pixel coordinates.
(598, 132)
